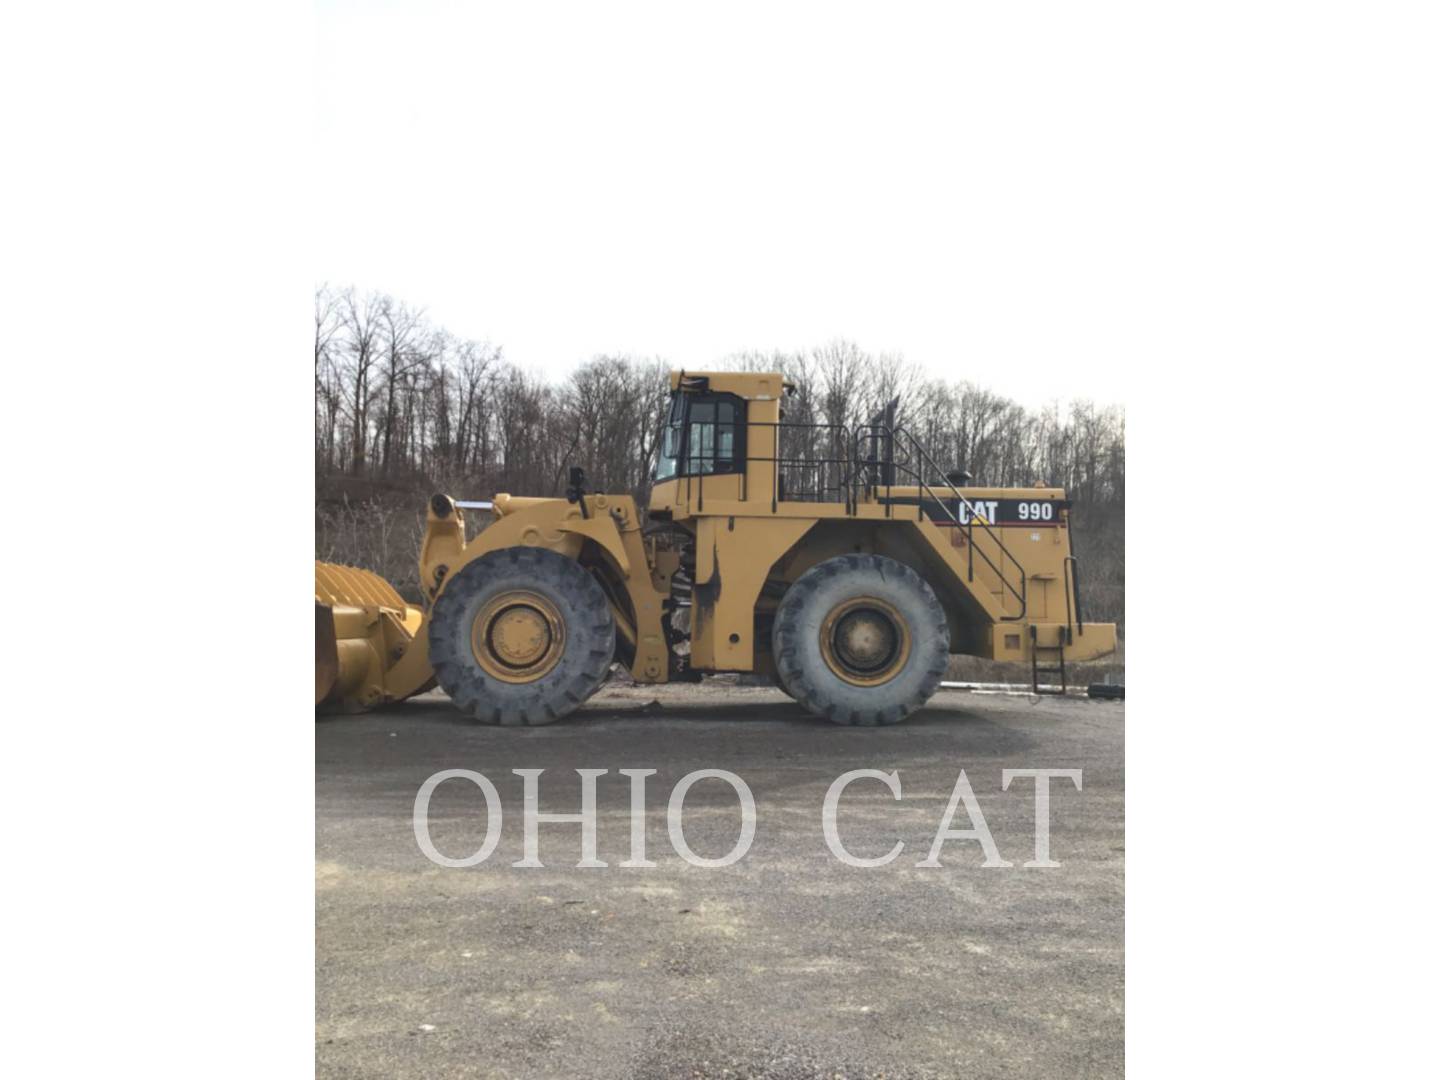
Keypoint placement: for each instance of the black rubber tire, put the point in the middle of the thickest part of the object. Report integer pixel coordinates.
(780, 685)
(589, 637)
(798, 658)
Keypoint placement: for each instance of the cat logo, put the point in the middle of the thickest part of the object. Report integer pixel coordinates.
(984, 511)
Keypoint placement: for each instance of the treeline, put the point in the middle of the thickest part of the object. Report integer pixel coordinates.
(396, 396)
(403, 408)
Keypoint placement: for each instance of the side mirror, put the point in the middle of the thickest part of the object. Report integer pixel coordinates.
(959, 477)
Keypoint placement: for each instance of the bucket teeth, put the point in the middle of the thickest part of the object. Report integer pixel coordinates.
(353, 587)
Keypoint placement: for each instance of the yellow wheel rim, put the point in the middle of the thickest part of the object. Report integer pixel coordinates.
(865, 641)
(518, 636)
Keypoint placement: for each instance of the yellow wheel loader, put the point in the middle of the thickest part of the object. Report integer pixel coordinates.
(841, 562)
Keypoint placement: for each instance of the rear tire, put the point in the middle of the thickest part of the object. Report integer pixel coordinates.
(861, 639)
(521, 635)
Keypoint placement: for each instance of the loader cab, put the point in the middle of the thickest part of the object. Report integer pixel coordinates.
(716, 426)
(704, 434)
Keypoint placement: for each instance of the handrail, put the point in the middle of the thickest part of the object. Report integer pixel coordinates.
(913, 446)
(837, 436)
(1072, 581)
(854, 472)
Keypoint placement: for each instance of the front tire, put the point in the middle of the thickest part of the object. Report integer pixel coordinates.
(521, 635)
(861, 639)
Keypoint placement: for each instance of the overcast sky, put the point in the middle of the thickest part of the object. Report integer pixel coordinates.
(661, 179)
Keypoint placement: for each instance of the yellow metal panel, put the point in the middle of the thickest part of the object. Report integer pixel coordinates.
(364, 636)
(734, 556)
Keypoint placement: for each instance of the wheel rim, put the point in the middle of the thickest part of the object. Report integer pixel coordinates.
(865, 641)
(518, 636)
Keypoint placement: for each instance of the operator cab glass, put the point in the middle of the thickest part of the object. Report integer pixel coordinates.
(704, 434)
(668, 461)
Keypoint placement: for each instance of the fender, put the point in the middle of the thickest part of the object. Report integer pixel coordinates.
(532, 523)
(610, 522)
(614, 525)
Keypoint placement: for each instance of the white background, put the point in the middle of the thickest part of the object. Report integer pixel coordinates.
(646, 178)
(1223, 215)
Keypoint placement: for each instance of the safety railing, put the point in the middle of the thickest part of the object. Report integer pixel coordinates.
(833, 463)
(811, 463)
(1072, 585)
(880, 468)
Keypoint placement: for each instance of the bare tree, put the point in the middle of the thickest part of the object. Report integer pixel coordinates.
(396, 396)
(327, 382)
(360, 323)
(400, 327)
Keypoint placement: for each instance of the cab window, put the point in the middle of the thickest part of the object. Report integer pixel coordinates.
(712, 437)
(667, 462)
(704, 435)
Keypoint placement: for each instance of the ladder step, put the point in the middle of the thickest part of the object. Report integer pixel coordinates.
(1055, 654)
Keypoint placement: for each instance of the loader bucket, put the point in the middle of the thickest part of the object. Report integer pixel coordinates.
(368, 645)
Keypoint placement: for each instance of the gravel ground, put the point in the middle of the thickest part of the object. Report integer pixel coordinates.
(786, 964)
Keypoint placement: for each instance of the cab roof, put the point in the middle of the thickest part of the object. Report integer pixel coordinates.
(751, 385)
